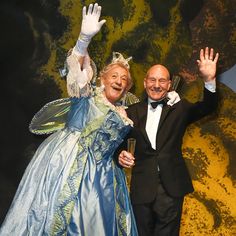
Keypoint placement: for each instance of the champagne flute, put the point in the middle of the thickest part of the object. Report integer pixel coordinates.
(131, 142)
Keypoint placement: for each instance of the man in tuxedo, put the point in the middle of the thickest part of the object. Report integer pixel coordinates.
(160, 178)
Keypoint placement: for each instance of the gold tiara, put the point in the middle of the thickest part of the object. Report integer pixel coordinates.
(118, 58)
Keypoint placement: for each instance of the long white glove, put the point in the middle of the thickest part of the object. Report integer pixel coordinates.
(89, 27)
(173, 98)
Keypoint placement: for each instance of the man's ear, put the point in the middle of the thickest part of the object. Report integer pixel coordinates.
(169, 86)
(144, 82)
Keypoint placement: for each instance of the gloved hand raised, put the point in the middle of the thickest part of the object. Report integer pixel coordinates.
(89, 27)
(90, 22)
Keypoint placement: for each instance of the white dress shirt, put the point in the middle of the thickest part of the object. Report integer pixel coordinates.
(153, 118)
(154, 115)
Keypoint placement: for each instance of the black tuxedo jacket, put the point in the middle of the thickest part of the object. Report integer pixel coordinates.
(168, 156)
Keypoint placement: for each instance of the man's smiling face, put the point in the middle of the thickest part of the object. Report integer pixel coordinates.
(157, 82)
(115, 82)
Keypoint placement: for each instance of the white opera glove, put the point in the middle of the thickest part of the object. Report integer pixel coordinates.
(173, 98)
(77, 79)
(89, 27)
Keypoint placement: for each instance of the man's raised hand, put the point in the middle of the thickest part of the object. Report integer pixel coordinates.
(207, 64)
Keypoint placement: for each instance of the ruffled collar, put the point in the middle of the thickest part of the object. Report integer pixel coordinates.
(120, 109)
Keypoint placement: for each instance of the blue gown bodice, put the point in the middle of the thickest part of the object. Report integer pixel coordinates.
(72, 186)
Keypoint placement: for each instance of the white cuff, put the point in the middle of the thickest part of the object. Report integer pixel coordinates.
(211, 86)
(81, 46)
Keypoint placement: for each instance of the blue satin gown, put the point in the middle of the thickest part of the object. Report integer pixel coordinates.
(72, 186)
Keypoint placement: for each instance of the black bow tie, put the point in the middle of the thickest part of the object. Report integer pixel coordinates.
(155, 104)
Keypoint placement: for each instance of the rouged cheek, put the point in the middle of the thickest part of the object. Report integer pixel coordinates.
(124, 84)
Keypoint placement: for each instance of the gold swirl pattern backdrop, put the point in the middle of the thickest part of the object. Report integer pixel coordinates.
(170, 32)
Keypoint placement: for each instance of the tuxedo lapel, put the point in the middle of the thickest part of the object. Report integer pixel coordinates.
(142, 117)
(142, 113)
(165, 111)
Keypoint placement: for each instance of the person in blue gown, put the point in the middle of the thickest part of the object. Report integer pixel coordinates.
(72, 186)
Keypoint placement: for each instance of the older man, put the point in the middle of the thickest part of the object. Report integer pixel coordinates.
(160, 178)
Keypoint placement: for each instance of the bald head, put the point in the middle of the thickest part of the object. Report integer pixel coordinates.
(158, 68)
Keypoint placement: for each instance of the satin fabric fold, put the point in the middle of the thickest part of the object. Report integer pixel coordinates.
(72, 186)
